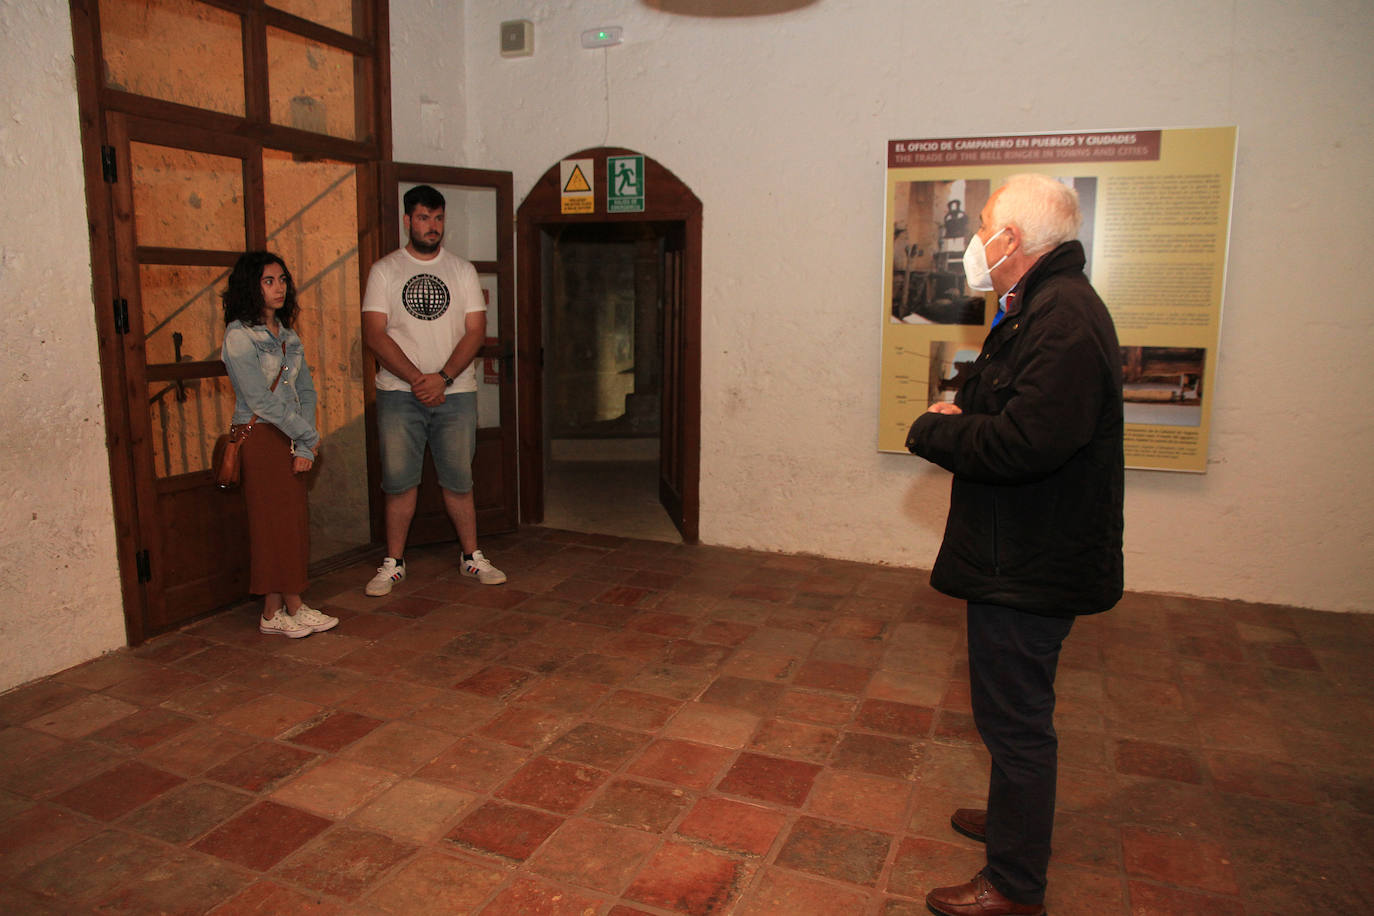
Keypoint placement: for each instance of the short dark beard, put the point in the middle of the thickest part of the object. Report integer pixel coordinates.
(425, 248)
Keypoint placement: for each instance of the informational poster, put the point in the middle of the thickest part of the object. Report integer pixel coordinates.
(1156, 220)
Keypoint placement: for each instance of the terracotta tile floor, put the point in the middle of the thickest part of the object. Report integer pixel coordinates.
(636, 727)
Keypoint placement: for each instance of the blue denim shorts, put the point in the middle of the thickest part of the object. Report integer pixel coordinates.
(405, 426)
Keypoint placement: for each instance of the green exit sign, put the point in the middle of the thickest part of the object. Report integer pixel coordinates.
(624, 184)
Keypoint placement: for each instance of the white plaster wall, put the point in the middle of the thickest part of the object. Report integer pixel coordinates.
(428, 103)
(59, 582)
(779, 123)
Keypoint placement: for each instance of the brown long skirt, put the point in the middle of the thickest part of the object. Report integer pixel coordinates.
(278, 518)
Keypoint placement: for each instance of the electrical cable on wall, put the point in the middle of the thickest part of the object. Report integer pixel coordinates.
(606, 91)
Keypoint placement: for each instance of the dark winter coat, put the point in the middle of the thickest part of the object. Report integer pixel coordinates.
(1035, 515)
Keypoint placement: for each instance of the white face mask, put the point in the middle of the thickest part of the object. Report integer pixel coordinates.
(976, 267)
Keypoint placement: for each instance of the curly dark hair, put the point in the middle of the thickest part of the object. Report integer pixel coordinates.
(242, 297)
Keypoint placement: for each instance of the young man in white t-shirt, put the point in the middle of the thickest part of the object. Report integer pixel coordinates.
(424, 319)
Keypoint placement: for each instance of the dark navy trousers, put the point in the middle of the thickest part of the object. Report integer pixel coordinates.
(1013, 656)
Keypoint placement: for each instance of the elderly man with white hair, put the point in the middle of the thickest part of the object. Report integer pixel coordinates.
(1033, 538)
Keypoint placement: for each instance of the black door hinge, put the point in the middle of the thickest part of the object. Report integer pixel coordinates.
(121, 316)
(107, 164)
(145, 566)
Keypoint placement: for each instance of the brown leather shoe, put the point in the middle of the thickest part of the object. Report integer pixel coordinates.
(978, 898)
(971, 822)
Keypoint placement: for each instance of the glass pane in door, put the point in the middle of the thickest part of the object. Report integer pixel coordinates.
(183, 320)
(186, 419)
(469, 220)
(187, 199)
(179, 51)
(312, 223)
(312, 85)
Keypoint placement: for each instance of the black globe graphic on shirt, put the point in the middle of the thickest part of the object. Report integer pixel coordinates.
(425, 296)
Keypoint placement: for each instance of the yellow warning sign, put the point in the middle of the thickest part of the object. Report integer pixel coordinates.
(577, 181)
(579, 193)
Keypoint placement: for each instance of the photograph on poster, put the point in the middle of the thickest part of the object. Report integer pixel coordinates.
(932, 224)
(949, 361)
(1162, 386)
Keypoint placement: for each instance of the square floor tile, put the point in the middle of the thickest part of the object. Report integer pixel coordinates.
(835, 850)
(799, 740)
(682, 763)
(528, 896)
(1191, 862)
(505, 830)
(782, 893)
(187, 811)
(89, 713)
(597, 745)
(642, 805)
(436, 883)
(344, 862)
(688, 880)
(474, 765)
(733, 826)
(554, 785)
(261, 766)
(871, 801)
(95, 867)
(414, 810)
(707, 723)
(332, 732)
(263, 835)
(877, 754)
(602, 857)
(335, 788)
(770, 779)
(399, 747)
(118, 791)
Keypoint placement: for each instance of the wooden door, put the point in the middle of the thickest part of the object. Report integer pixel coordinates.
(673, 456)
(182, 215)
(479, 226)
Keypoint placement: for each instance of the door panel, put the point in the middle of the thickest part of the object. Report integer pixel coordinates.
(478, 226)
(671, 466)
(311, 209)
(180, 219)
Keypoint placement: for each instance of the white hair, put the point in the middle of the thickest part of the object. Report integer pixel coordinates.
(1044, 209)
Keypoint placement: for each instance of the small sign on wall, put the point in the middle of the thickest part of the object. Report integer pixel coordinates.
(579, 194)
(624, 184)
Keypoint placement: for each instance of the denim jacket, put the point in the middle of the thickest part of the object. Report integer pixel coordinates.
(253, 356)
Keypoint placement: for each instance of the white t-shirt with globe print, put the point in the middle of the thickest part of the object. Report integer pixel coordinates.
(426, 304)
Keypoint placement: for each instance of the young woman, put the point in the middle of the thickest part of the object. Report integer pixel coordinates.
(266, 363)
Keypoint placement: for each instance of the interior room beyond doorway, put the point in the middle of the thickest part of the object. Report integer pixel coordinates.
(603, 379)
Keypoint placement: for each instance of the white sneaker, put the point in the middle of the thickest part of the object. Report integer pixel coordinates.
(481, 567)
(283, 624)
(316, 621)
(388, 574)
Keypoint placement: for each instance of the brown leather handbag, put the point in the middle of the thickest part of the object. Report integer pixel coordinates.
(225, 458)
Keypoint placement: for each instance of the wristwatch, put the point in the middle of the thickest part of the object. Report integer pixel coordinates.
(448, 379)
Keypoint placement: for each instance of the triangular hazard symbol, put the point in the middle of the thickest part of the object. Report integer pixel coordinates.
(576, 181)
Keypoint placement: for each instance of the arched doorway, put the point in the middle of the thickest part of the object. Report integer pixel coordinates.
(665, 363)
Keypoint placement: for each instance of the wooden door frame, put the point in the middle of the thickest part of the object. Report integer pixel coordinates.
(667, 199)
(390, 174)
(95, 99)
